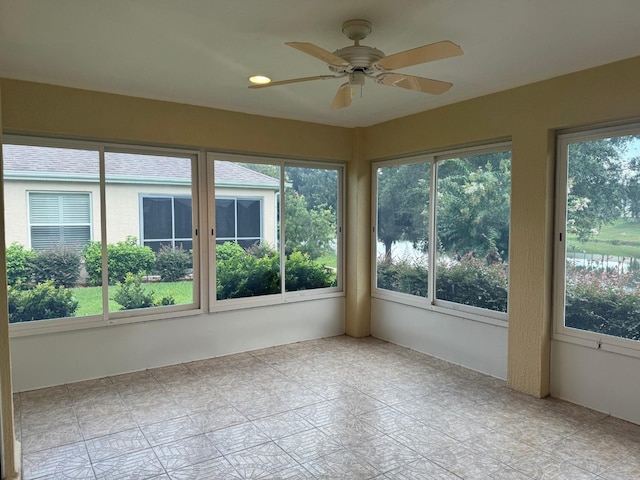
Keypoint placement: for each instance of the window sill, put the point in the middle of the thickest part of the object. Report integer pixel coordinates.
(497, 319)
(600, 342)
(276, 299)
(41, 327)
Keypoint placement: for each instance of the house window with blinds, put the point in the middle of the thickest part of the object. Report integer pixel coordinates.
(59, 219)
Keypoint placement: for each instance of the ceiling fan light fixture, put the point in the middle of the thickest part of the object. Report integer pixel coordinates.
(259, 79)
(356, 79)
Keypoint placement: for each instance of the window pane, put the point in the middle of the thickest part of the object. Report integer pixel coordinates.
(225, 218)
(249, 218)
(157, 245)
(473, 230)
(75, 209)
(141, 230)
(311, 206)
(43, 238)
(184, 244)
(157, 216)
(603, 237)
(49, 194)
(183, 216)
(45, 208)
(247, 259)
(402, 228)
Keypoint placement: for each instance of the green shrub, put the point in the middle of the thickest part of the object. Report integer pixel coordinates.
(43, 301)
(131, 294)
(172, 264)
(19, 264)
(470, 281)
(122, 257)
(302, 273)
(403, 276)
(240, 274)
(603, 301)
(61, 265)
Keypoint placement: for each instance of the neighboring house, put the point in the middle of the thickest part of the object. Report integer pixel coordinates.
(52, 197)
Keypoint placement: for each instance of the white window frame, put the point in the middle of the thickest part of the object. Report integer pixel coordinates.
(128, 316)
(429, 302)
(59, 194)
(585, 338)
(216, 305)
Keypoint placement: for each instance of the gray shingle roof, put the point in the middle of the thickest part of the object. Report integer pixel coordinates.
(42, 162)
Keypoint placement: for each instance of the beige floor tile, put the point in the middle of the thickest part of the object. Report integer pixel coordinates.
(184, 452)
(142, 464)
(68, 462)
(336, 408)
(116, 444)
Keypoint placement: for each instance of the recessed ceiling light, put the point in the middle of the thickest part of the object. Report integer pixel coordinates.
(259, 79)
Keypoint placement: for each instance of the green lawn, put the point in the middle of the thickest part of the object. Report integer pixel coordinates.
(621, 230)
(329, 260)
(90, 298)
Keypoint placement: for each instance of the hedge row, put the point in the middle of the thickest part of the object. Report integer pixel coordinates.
(469, 281)
(39, 282)
(62, 265)
(247, 273)
(597, 300)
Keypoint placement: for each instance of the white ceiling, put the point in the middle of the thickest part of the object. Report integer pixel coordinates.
(201, 52)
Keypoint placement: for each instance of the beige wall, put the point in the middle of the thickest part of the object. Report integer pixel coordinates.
(41, 109)
(529, 115)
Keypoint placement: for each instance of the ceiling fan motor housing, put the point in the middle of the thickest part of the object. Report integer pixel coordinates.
(360, 57)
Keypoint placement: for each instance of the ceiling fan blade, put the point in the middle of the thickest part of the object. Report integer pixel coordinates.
(294, 80)
(426, 53)
(320, 53)
(342, 98)
(419, 84)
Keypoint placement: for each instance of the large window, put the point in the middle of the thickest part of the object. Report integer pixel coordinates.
(156, 270)
(472, 227)
(93, 233)
(450, 211)
(99, 234)
(311, 228)
(402, 227)
(598, 236)
(266, 244)
(59, 219)
(52, 205)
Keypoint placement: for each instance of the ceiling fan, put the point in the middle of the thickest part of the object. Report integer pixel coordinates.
(358, 62)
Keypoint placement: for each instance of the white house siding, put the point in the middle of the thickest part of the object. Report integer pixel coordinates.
(123, 206)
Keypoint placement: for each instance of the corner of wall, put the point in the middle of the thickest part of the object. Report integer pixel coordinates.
(358, 245)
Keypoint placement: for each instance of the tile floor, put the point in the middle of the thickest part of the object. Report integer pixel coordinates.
(336, 408)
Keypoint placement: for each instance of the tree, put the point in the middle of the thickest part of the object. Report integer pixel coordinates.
(309, 231)
(595, 185)
(403, 205)
(319, 186)
(633, 187)
(473, 205)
